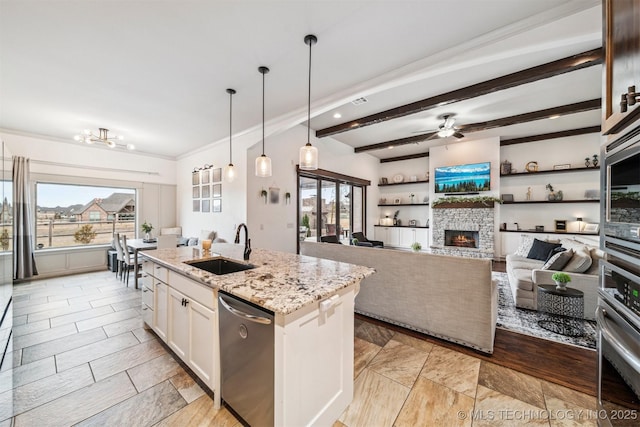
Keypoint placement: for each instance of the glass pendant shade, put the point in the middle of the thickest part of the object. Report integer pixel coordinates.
(263, 166)
(230, 172)
(308, 157)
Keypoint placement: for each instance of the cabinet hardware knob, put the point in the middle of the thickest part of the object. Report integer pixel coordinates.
(632, 96)
(623, 103)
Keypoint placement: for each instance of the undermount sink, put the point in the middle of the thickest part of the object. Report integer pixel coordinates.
(221, 266)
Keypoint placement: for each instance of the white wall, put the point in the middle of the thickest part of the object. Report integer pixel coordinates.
(273, 226)
(570, 150)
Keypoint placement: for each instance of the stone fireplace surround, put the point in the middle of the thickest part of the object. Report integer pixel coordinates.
(478, 218)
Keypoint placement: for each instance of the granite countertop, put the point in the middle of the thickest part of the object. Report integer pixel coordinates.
(281, 282)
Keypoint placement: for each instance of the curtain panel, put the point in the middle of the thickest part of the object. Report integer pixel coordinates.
(24, 263)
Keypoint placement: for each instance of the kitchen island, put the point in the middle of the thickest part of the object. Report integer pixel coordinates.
(312, 301)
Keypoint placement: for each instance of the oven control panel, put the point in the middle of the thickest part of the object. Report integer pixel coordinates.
(628, 292)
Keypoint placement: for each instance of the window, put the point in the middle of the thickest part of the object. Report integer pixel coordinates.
(78, 215)
(338, 210)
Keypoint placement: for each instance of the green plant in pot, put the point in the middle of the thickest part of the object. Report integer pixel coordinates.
(561, 280)
(146, 227)
(416, 246)
(354, 242)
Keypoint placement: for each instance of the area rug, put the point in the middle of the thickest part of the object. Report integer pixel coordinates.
(526, 321)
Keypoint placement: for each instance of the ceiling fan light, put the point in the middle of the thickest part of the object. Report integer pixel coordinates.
(263, 166)
(88, 140)
(131, 147)
(110, 144)
(77, 137)
(445, 133)
(308, 157)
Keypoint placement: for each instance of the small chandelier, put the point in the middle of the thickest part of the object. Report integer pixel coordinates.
(263, 163)
(309, 153)
(103, 138)
(230, 170)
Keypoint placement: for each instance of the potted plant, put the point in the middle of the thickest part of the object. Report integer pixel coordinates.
(354, 241)
(594, 162)
(561, 280)
(146, 227)
(416, 246)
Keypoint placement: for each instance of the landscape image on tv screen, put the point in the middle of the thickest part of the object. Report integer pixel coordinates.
(463, 178)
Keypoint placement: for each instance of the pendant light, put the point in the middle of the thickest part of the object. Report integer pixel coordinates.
(230, 170)
(263, 163)
(309, 153)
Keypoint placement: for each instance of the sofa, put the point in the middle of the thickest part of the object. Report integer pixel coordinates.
(526, 274)
(448, 297)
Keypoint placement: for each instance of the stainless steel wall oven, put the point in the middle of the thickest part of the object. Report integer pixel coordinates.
(618, 311)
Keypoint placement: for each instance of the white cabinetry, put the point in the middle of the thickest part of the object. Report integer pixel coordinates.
(408, 236)
(314, 362)
(389, 235)
(183, 314)
(161, 314)
(193, 326)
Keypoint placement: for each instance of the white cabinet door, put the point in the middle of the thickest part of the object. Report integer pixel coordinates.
(380, 233)
(422, 237)
(393, 237)
(203, 326)
(178, 336)
(160, 310)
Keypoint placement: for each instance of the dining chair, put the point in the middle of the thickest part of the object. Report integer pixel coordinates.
(120, 254)
(128, 260)
(167, 241)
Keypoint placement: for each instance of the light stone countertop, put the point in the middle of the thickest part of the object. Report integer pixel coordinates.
(281, 282)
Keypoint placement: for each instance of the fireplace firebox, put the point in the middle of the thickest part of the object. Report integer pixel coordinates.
(461, 238)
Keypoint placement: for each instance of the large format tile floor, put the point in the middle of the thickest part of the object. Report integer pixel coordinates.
(82, 357)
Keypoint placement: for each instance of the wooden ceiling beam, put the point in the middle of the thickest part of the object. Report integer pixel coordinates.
(551, 135)
(540, 72)
(407, 157)
(563, 110)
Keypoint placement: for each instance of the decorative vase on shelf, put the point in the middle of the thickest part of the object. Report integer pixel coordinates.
(551, 196)
(147, 236)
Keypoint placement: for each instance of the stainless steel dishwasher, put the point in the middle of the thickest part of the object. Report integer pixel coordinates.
(247, 360)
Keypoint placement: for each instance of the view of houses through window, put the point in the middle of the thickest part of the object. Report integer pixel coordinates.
(76, 215)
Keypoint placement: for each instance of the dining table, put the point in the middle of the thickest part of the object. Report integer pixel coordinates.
(137, 245)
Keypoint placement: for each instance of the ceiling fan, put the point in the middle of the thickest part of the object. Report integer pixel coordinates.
(445, 130)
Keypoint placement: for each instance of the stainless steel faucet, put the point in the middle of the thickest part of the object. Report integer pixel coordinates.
(247, 240)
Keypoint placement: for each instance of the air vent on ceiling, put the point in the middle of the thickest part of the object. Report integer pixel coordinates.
(359, 101)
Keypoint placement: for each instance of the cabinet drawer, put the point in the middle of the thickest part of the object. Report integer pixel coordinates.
(147, 266)
(147, 296)
(147, 280)
(200, 293)
(161, 273)
(147, 314)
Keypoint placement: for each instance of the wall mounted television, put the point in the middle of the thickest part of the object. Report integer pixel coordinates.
(469, 178)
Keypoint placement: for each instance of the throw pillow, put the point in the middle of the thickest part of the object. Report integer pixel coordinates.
(526, 242)
(580, 262)
(541, 249)
(555, 251)
(558, 261)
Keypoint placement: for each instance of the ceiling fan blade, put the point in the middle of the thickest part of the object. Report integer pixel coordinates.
(458, 135)
(434, 135)
(424, 131)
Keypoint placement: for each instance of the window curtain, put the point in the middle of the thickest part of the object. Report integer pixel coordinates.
(24, 263)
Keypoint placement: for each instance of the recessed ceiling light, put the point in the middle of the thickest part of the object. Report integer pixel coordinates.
(554, 117)
(390, 147)
(337, 115)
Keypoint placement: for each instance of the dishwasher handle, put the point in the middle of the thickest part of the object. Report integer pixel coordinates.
(243, 315)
